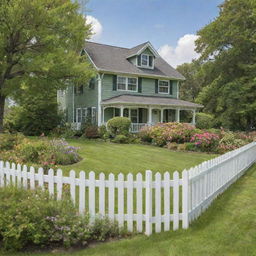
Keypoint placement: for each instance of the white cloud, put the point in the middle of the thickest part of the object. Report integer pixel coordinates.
(183, 52)
(96, 27)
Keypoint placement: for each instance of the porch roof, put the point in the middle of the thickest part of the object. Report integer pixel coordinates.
(149, 100)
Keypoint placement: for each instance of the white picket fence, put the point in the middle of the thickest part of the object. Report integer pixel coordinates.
(142, 204)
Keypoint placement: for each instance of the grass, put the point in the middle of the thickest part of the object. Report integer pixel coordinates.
(99, 156)
(227, 228)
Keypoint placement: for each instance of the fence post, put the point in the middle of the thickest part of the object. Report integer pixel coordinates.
(148, 230)
(185, 181)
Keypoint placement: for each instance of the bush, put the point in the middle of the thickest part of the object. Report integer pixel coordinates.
(33, 218)
(103, 131)
(34, 119)
(204, 121)
(43, 151)
(122, 139)
(119, 126)
(8, 141)
(161, 134)
(206, 141)
(172, 145)
(91, 132)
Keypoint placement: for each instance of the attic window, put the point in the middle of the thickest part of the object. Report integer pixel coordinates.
(146, 60)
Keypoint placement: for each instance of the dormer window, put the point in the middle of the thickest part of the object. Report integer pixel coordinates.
(146, 61)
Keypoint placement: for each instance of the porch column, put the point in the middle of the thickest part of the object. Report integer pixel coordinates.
(150, 115)
(122, 111)
(162, 115)
(194, 117)
(103, 115)
(177, 113)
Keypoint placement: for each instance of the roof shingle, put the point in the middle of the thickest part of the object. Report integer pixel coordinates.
(150, 100)
(114, 59)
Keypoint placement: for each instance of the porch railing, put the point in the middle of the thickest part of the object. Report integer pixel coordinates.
(136, 127)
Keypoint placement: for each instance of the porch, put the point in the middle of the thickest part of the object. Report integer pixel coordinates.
(148, 116)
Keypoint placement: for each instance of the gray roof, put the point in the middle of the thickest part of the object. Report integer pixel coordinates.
(149, 100)
(114, 59)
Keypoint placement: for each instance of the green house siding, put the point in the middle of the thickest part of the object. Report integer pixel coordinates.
(89, 97)
(148, 88)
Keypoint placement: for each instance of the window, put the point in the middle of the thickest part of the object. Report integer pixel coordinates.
(94, 115)
(146, 61)
(163, 87)
(85, 115)
(132, 84)
(78, 115)
(127, 83)
(79, 89)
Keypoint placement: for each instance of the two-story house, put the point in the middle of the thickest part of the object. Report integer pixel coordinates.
(135, 83)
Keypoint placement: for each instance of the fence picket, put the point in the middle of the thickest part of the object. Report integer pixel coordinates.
(166, 201)
(185, 199)
(59, 184)
(82, 192)
(72, 176)
(25, 177)
(41, 178)
(7, 173)
(92, 195)
(32, 177)
(176, 200)
(139, 202)
(148, 230)
(158, 202)
(13, 174)
(102, 194)
(51, 182)
(120, 189)
(111, 196)
(130, 202)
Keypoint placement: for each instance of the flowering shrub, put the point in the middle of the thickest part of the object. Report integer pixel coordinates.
(205, 141)
(162, 134)
(47, 153)
(33, 218)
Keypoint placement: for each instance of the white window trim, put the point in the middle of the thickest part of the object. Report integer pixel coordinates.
(147, 66)
(126, 84)
(77, 110)
(168, 86)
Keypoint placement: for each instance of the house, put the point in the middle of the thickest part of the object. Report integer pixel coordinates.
(135, 83)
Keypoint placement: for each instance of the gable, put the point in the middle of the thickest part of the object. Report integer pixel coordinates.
(107, 58)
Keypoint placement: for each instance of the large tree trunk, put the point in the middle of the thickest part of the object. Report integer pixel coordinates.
(2, 104)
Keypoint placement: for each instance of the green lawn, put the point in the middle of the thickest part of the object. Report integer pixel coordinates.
(108, 157)
(226, 228)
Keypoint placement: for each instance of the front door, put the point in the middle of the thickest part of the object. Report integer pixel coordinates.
(155, 116)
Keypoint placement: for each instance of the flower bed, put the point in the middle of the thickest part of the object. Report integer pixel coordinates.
(45, 152)
(182, 136)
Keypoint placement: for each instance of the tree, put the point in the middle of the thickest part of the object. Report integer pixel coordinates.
(190, 88)
(35, 114)
(40, 45)
(229, 45)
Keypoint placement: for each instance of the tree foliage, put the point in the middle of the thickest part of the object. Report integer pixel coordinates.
(40, 45)
(228, 46)
(35, 115)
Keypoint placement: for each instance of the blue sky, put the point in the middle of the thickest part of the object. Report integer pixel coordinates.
(127, 23)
